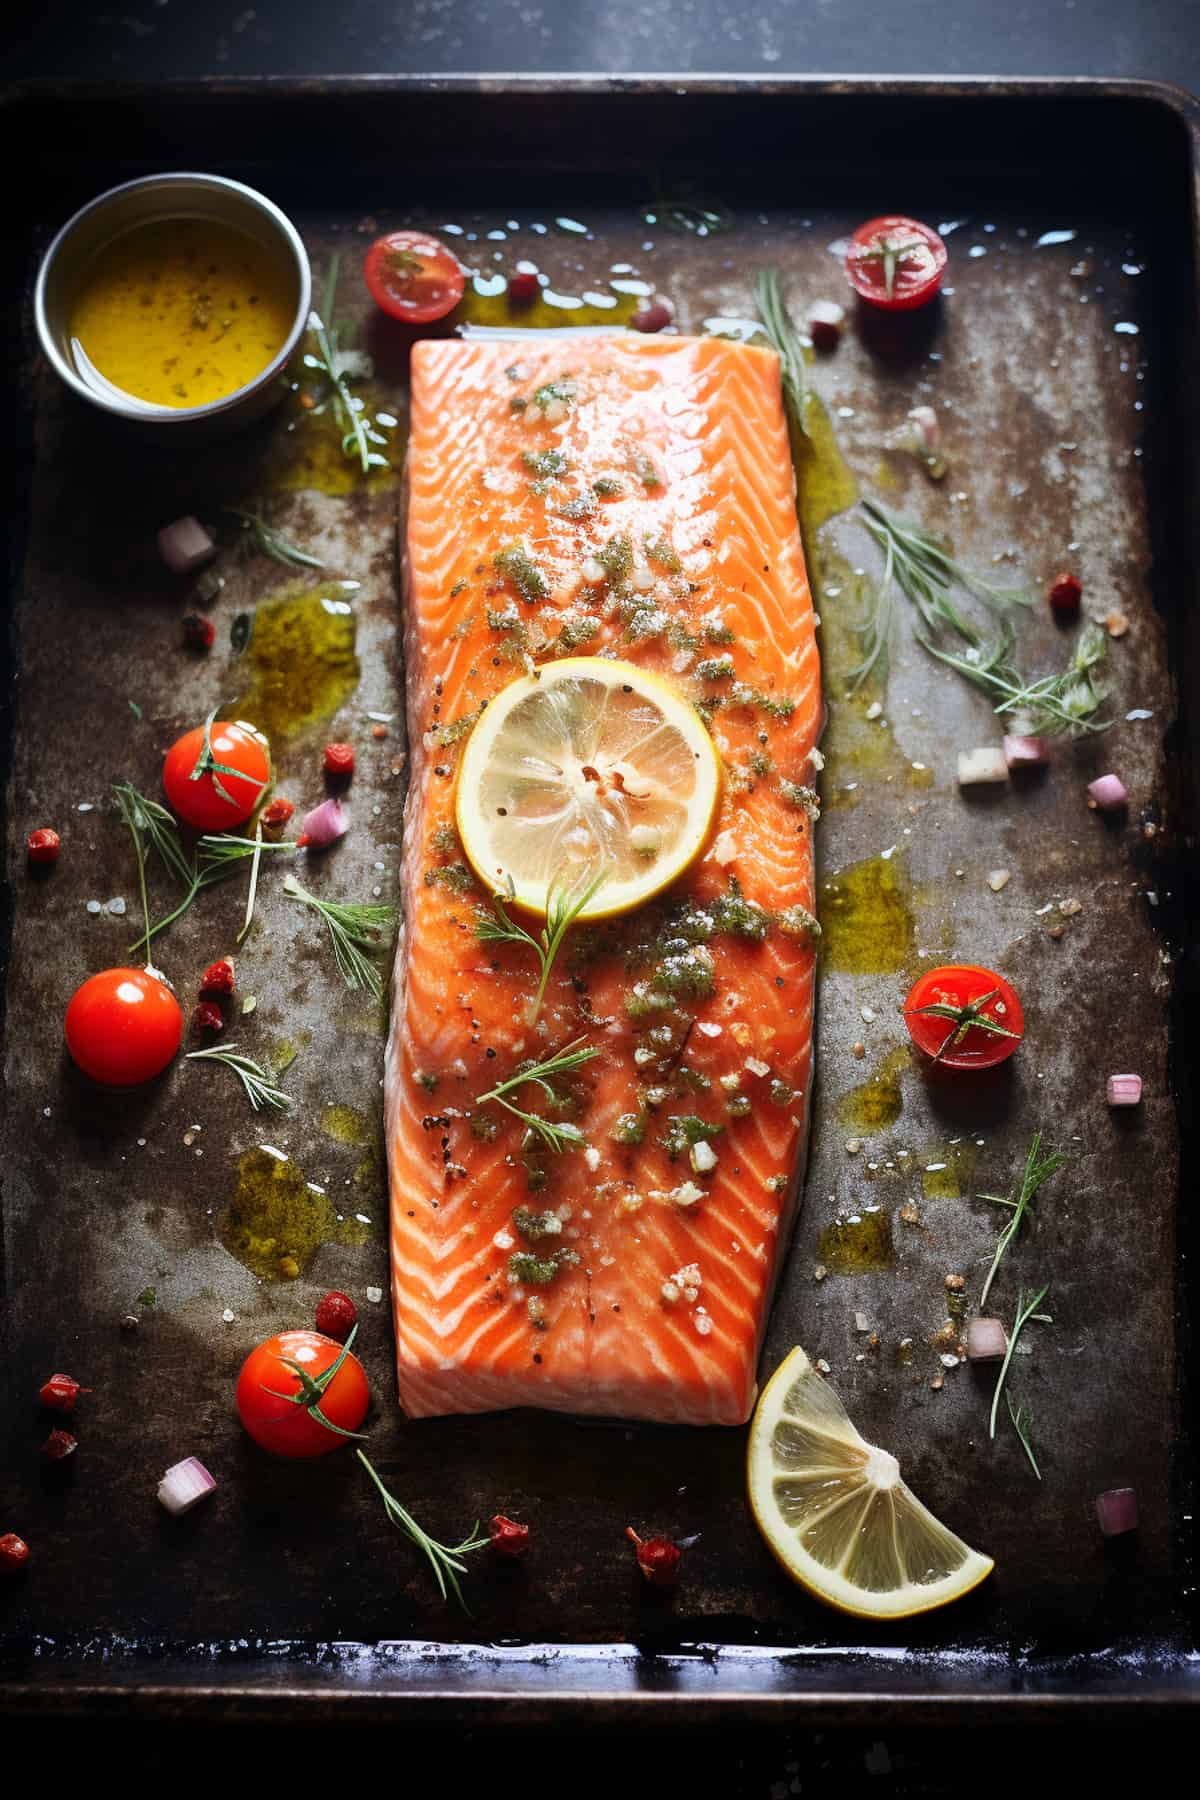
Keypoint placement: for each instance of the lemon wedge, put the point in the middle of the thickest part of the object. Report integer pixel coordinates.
(837, 1515)
(590, 765)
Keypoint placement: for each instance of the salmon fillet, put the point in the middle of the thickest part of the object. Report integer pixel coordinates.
(676, 450)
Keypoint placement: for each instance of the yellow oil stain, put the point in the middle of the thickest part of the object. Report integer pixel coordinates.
(276, 1219)
(867, 919)
(300, 664)
(877, 1102)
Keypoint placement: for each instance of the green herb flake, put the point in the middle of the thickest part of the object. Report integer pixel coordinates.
(545, 463)
(538, 1271)
(455, 729)
(609, 487)
(661, 551)
(562, 392)
(739, 1106)
(536, 1225)
(518, 566)
(715, 668)
(630, 1128)
(582, 507)
(742, 694)
(616, 558)
(798, 922)
(646, 472)
(456, 878)
(733, 913)
(685, 1130)
(781, 1093)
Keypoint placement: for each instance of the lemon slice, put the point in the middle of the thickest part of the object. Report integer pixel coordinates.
(837, 1515)
(591, 764)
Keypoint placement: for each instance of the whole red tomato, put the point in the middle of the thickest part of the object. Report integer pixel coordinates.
(964, 1016)
(215, 775)
(294, 1380)
(123, 1026)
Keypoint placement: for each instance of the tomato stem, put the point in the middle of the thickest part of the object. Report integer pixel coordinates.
(312, 1388)
(968, 1017)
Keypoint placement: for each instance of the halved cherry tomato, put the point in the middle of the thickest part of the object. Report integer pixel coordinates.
(123, 1026)
(275, 1401)
(964, 1016)
(896, 263)
(413, 277)
(215, 774)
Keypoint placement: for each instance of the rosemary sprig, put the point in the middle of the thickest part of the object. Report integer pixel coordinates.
(357, 435)
(444, 1559)
(564, 903)
(354, 928)
(1026, 1310)
(555, 1137)
(784, 339)
(1038, 1169)
(260, 1089)
(151, 827)
(217, 855)
(259, 535)
(922, 569)
(1022, 1421)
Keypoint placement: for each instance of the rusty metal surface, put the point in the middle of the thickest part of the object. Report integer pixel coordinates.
(1057, 453)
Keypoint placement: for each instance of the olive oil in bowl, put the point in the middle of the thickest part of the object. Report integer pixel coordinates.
(181, 312)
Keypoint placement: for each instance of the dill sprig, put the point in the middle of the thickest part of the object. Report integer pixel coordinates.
(1022, 1422)
(355, 931)
(1038, 1169)
(252, 892)
(357, 432)
(920, 567)
(260, 1088)
(564, 903)
(444, 1559)
(258, 535)
(1026, 1310)
(781, 333)
(555, 1137)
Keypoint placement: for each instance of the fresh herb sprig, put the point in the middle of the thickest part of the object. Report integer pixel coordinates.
(1038, 1169)
(258, 535)
(1026, 1310)
(917, 565)
(151, 827)
(1022, 1423)
(780, 331)
(444, 1559)
(556, 1137)
(356, 931)
(217, 856)
(261, 1090)
(358, 434)
(564, 903)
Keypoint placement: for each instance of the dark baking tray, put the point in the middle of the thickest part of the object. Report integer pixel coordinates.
(258, 1605)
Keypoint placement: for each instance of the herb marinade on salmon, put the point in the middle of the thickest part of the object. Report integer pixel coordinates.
(630, 497)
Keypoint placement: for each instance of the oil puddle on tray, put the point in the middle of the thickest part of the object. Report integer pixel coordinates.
(277, 1219)
(300, 664)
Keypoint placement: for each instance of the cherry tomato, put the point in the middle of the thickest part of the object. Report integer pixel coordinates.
(43, 845)
(964, 1016)
(123, 1026)
(413, 277)
(234, 766)
(896, 263)
(288, 1426)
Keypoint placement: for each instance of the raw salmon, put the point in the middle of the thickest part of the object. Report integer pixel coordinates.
(675, 452)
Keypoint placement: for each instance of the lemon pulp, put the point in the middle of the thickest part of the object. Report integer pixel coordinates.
(836, 1513)
(591, 766)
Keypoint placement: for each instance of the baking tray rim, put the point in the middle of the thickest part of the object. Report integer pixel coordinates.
(615, 1683)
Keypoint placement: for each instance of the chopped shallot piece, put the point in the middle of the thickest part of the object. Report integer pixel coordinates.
(1026, 752)
(184, 545)
(325, 824)
(987, 1340)
(1117, 1511)
(1124, 1090)
(1108, 794)
(184, 1485)
(978, 766)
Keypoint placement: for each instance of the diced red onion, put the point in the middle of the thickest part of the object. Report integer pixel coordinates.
(184, 1485)
(926, 428)
(185, 545)
(1026, 752)
(975, 766)
(1124, 1090)
(1109, 793)
(987, 1340)
(1117, 1511)
(325, 824)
